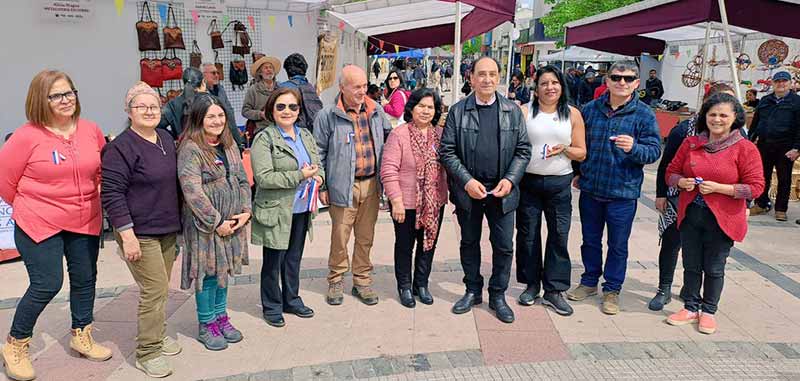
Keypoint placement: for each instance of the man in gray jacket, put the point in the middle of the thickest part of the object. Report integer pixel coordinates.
(485, 151)
(349, 134)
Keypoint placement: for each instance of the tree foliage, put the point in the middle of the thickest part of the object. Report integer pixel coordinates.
(472, 46)
(565, 11)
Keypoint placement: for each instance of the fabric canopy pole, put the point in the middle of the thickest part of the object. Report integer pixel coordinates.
(703, 67)
(510, 66)
(729, 45)
(456, 57)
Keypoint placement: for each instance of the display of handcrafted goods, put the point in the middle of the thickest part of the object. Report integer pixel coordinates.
(173, 35)
(216, 35)
(150, 69)
(773, 52)
(171, 68)
(147, 31)
(241, 40)
(196, 56)
(692, 76)
(743, 62)
(219, 66)
(238, 74)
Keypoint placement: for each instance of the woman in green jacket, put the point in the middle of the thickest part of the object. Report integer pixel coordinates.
(287, 173)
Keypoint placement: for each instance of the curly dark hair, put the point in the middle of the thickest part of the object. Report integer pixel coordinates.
(416, 97)
(717, 99)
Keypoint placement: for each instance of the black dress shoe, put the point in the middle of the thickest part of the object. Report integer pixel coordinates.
(662, 298)
(275, 321)
(529, 297)
(501, 309)
(466, 302)
(406, 298)
(303, 312)
(424, 295)
(556, 301)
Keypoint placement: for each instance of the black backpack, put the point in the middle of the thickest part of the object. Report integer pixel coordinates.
(238, 74)
(311, 104)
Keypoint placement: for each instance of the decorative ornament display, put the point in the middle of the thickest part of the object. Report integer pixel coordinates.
(691, 76)
(773, 52)
(743, 62)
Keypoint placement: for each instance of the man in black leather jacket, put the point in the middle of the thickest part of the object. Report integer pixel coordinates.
(485, 150)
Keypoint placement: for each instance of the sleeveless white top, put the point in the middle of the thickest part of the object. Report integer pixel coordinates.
(546, 130)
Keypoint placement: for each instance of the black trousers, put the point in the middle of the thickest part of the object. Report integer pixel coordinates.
(280, 271)
(501, 234)
(705, 251)
(44, 263)
(668, 255)
(775, 156)
(551, 195)
(406, 237)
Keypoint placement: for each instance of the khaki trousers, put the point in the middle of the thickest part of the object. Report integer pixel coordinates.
(361, 218)
(151, 273)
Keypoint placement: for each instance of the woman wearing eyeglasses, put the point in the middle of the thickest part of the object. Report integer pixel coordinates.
(287, 173)
(140, 195)
(396, 96)
(50, 176)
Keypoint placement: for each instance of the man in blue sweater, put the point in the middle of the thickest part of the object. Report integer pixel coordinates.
(621, 137)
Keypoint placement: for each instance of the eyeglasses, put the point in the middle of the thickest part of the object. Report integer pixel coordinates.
(617, 78)
(145, 109)
(58, 98)
(213, 72)
(282, 106)
(392, 78)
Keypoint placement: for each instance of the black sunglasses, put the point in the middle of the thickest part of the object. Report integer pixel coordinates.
(394, 77)
(627, 78)
(282, 106)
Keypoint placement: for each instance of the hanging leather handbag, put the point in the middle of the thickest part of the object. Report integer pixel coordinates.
(257, 56)
(171, 68)
(219, 66)
(147, 31)
(241, 40)
(162, 98)
(216, 35)
(173, 35)
(238, 74)
(151, 72)
(172, 94)
(195, 57)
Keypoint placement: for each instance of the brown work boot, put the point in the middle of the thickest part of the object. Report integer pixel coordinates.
(611, 303)
(335, 293)
(83, 343)
(780, 216)
(756, 210)
(17, 359)
(366, 294)
(581, 292)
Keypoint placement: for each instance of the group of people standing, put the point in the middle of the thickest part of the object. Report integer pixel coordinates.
(495, 159)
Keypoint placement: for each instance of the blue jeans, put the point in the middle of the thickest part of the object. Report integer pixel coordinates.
(595, 215)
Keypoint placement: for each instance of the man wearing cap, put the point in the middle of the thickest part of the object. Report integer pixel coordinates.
(264, 71)
(776, 131)
(211, 75)
(349, 134)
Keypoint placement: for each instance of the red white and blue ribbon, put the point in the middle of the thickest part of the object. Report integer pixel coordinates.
(58, 157)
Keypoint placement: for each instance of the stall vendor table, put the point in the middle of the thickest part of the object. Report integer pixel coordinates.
(668, 119)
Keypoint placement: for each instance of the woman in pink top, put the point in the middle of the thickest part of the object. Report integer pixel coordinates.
(51, 177)
(416, 184)
(396, 97)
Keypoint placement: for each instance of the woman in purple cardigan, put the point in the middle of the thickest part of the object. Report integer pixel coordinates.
(416, 184)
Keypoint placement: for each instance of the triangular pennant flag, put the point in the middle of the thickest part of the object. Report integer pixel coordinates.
(252, 21)
(291, 21)
(660, 57)
(271, 21)
(308, 17)
(119, 4)
(380, 44)
(341, 25)
(397, 49)
(162, 11)
(225, 19)
(195, 17)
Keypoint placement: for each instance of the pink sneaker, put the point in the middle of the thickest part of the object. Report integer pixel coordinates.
(683, 317)
(708, 324)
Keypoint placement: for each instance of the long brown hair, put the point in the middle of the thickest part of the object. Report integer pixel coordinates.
(194, 129)
(37, 106)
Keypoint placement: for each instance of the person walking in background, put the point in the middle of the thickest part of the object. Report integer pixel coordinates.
(416, 185)
(716, 173)
(751, 99)
(653, 86)
(288, 174)
(621, 138)
(174, 116)
(376, 69)
(216, 210)
(557, 136)
(396, 97)
(350, 135)
(141, 196)
(265, 72)
(51, 178)
(518, 91)
(485, 155)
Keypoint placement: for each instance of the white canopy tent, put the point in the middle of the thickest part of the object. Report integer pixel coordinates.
(579, 54)
(375, 17)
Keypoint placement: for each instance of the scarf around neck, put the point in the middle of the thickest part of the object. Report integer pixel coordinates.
(428, 171)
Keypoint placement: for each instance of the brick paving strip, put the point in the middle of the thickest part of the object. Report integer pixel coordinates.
(655, 360)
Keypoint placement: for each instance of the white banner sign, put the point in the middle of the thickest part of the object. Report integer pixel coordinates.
(67, 10)
(207, 9)
(6, 227)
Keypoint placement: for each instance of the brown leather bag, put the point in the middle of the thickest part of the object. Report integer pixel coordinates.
(173, 35)
(151, 72)
(241, 40)
(171, 68)
(195, 57)
(147, 31)
(219, 66)
(216, 35)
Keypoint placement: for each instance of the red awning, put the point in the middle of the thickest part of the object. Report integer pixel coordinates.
(622, 30)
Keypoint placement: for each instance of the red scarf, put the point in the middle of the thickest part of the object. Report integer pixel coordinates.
(428, 171)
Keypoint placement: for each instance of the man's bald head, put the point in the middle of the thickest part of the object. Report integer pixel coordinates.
(353, 85)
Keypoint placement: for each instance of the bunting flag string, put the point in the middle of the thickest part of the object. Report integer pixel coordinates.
(119, 4)
(291, 21)
(196, 17)
(308, 17)
(226, 19)
(271, 21)
(252, 21)
(162, 12)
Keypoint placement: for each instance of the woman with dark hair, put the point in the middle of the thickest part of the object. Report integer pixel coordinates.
(416, 185)
(50, 177)
(667, 206)
(175, 114)
(717, 171)
(518, 91)
(288, 174)
(396, 96)
(216, 210)
(556, 133)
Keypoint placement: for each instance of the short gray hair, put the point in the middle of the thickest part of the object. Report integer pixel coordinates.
(624, 66)
(206, 64)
